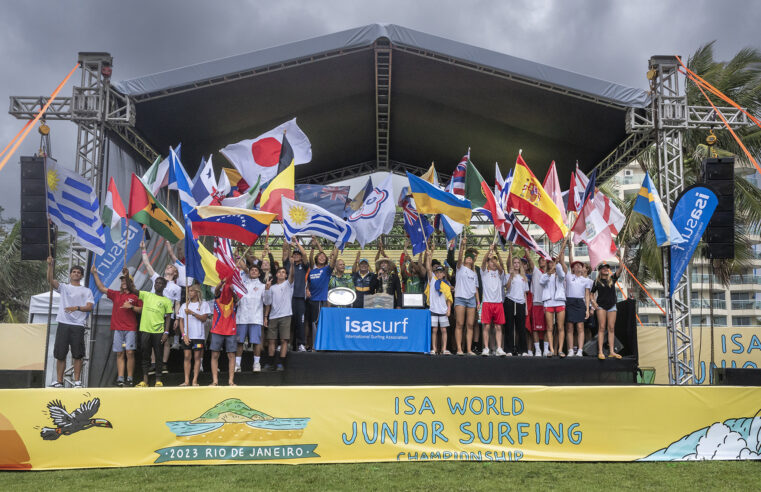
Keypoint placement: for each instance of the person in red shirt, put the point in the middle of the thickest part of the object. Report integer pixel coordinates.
(223, 332)
(123, 324)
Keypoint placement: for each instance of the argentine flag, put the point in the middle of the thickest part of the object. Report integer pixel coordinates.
(649, 204)
(73, 206)
(308, 219)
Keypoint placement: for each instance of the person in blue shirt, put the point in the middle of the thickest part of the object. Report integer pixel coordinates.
(298, 303)
(318, 283)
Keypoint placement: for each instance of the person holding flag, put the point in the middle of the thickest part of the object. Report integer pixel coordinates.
(515, 306)
(250, 316)
(277, 314)
(223, 330)
(320, 271)
(466, 300)
(577, 287)
(553, 298)
(439, 297)
(492, 312)
(604, 304)
(196, 311)
(536, 307)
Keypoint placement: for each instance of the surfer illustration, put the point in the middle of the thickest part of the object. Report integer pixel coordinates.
(69, 423)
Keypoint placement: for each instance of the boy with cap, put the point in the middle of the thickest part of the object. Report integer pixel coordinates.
(298, 300)
(363, 279)
(123, 325)
(439, 295)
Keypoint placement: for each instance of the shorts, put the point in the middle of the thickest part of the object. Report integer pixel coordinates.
(279, 328)
(554, 309)
(611, 310)
(228, 342)
(196, 344)
(124, 340)
(252, 330)
(69, 336)
(576, 312)
(469, 302)
(439, 320)
(492, 312)
(537, 318)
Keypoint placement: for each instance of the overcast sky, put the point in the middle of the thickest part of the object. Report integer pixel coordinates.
(611, 40)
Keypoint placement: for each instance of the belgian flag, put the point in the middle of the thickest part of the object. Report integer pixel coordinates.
(283, 184)
(145, 209)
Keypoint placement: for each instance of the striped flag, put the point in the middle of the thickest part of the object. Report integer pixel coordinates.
(204, 183)
(224, 252)
(157, 176)
(551, 185)
(179, 180)
(518, 235)
(73, 206)
(457, 182)
(591, 228)
(113, 211)
(608, 210)
(308, 219)
(145, 209)
(239, 224)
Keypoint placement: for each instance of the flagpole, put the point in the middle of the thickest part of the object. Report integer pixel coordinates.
(124, 235)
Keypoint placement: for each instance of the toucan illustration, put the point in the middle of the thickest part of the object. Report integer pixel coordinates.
(69, 423)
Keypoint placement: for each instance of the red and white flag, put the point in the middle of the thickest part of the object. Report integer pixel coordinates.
(551, 185)
(608, 210)
(592, 229)
(259, 157)
(224, 252)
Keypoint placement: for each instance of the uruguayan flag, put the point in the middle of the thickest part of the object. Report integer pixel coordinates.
(308, 219)
(73, 206)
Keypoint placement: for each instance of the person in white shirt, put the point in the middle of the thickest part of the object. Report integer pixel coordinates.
(515, 306)
(250, 316)
(439, 296)
(466, 299)
(172, 291)
(74, 304)
(492, 312)
(193, 314)
(536, 307)
(577, 293)
(553, 299)
(277, 314)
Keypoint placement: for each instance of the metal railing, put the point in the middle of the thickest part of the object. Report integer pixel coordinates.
(746, 304)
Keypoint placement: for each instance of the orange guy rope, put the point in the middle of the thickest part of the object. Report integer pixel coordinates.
(643, 288)
(29, 122)
(37, 118)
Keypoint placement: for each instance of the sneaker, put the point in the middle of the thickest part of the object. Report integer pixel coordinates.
(508, 354)
(56, 384)
(432, 352)
(280, 368)
(571, 353)
(266, 367)
(301, 348)
(120, 382)
(446, 352)
(546, 353)
(257, 367)
(525, 354)
(130, 383)
(141, 384)
(499, 352)
(579, 353)
(539, 354)
(530, 353)
(164, 370)
(237, 368)
(485, 351)
(77, 384)
(158, 384)
(152, 370)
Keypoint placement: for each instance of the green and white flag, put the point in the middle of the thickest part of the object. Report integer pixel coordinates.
(113, 211)
(157, 176)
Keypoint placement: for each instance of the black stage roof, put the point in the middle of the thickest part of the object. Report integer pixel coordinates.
(444, 97)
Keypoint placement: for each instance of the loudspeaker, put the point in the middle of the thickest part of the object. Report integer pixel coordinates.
(735, 376)
(719, 236)
(34, 215)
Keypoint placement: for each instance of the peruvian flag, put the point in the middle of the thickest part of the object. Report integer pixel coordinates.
(551, 185)
(591, 227)
(258, 158)
(113, 211)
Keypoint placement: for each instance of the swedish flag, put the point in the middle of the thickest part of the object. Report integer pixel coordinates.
(649, 204)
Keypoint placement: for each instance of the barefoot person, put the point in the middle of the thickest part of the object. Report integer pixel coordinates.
(74, 303)
(123, 325)
(155, 322)
(196, 311)
(223, 331)
(439, 295)
(604, 303)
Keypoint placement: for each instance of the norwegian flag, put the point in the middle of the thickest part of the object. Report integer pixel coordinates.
(516, 234)
(502, 187)
(224, 252)
(457, 183)
(608, 210)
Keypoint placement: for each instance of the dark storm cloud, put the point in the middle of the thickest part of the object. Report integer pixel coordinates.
(39, 40)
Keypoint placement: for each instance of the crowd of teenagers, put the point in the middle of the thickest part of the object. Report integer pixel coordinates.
(526, 307)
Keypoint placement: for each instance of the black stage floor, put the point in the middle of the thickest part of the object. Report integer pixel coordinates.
(372, 368)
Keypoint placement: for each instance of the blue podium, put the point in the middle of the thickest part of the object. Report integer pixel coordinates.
(374, 330)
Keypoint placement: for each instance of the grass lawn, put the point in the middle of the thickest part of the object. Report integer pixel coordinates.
(402, 476)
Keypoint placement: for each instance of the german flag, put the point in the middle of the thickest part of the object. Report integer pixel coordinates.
(145, 209)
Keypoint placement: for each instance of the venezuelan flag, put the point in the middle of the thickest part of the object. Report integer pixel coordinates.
(431, 200)
(528, 197)
(238, 224)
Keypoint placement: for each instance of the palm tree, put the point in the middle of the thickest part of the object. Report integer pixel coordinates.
(740, 79)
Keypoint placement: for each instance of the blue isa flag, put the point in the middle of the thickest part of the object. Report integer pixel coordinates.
(649, 204)
(73, 206)
(692, 211)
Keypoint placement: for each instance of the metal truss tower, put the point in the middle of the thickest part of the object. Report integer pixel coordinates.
(663, 123)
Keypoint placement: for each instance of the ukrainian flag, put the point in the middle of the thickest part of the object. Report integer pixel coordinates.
(431, 200)
(649, 204)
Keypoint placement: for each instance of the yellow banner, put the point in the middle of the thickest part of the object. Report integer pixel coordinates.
(732, 347)
(23, 347)
(49, 429)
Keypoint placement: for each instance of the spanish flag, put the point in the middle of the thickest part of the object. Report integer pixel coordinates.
(283, 184)
(145, 209)
(528, 197)
(432, 200)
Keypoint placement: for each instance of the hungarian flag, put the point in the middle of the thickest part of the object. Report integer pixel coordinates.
(145, 209)
(528, 197)
(551, 185)
(284, 183)
(481, 196)
(260, 156)
(113, 211)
